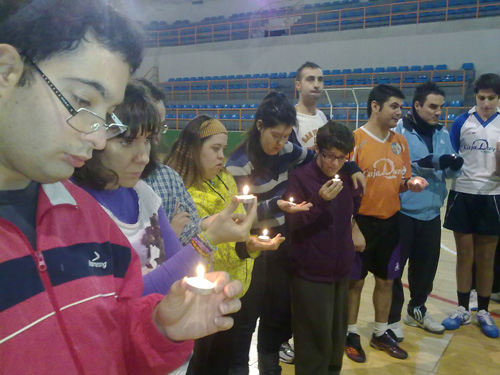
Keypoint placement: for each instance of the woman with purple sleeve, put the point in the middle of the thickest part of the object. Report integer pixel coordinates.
(114, 178)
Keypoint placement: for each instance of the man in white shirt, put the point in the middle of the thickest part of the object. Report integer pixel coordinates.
(309, 84)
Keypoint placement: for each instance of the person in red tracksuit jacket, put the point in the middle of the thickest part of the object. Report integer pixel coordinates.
(70, 295)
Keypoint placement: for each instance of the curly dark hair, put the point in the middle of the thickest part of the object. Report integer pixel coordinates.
(137, 111)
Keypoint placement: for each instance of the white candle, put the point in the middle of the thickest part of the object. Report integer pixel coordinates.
(291, 202)
(198, 284)
(336, 179)
(264, 237)
(246, 198)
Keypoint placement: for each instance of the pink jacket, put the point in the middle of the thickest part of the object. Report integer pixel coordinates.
(73, 306)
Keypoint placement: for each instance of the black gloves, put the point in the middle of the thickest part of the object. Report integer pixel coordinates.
(426, 162)
(454, 162)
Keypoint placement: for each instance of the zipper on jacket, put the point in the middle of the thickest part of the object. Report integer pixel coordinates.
(40, 260)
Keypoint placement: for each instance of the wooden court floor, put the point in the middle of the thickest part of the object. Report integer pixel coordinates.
(464, 351)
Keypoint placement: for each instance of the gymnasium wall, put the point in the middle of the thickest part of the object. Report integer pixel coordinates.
(451, 43)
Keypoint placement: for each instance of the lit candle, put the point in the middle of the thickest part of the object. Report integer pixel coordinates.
(246, 198)
(336, 179)
(291, 202)
(198, 284)
(264, 237)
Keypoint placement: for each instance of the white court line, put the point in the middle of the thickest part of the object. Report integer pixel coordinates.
(448, 249)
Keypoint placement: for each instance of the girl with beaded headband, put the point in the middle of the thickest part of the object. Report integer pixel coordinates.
(198, 156)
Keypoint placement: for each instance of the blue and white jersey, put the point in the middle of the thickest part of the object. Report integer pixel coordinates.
(475, 140)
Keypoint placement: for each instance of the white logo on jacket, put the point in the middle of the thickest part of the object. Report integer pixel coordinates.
(93, 263)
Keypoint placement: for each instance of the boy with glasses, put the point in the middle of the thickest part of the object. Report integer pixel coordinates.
(322, 251)
(71, 285)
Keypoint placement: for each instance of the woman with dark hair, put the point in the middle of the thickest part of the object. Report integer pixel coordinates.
(114, 178)
(262, 162)
(198, 156)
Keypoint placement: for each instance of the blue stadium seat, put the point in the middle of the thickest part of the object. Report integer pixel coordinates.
(415, 68)
(336, 71)
(328, 82)
(428, 67)
(380, 69)
(346, 71)
(403, 68)
(391, 69)
(357, 71)
(349, 82)
(225, 116)
(468, 66)
(409, 80)
(456, 103)
(292, 74)
(451, 117)
(368, 70)
(252, 116)
(441, 67)
(228, 106)
(192, 116)
(326, 72)
(235, 116)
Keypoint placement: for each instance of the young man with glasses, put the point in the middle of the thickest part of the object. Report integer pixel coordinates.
(322, 252)
(71, 284)
(167, 183)
(384, 158)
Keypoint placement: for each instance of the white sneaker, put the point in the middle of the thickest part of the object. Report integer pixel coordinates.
(426, 322)
(473, 300)
(397, 330)
(495, 297)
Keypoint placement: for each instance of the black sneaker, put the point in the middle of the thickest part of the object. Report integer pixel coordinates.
(388, 345)
(353, 349)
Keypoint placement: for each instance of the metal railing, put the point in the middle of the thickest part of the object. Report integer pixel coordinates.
(299, 20)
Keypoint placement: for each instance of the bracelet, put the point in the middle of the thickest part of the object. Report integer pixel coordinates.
(204, 249)
(205, 239)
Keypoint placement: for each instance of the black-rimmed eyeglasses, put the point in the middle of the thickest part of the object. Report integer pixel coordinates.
(84, 120)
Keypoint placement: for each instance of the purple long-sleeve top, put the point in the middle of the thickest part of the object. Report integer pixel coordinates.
(321, 238)
(180, 260)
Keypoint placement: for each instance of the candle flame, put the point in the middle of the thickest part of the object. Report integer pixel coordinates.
(264, 232)
(246, 189)
(291, 199)
(336, 176)
(200, 271)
